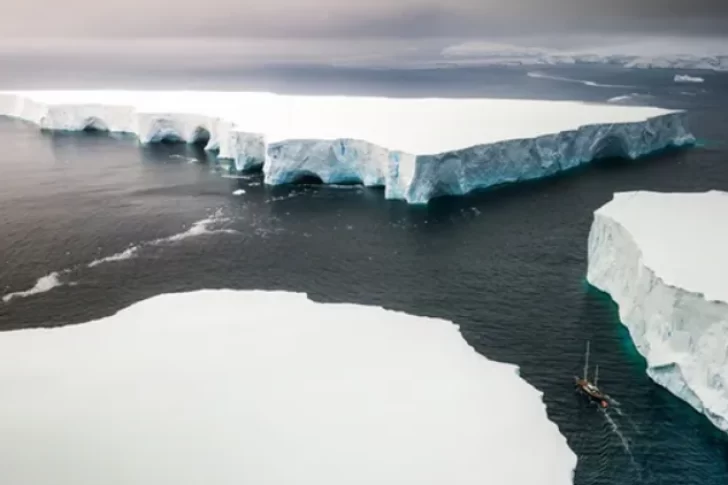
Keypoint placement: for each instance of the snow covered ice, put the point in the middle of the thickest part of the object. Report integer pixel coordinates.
(633, 53)
(661, 257)
(251, 387)
(417, 149)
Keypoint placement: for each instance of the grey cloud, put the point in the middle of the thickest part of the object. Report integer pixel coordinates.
(370, 18)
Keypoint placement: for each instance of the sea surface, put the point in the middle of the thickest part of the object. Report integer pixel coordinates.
(90, 223)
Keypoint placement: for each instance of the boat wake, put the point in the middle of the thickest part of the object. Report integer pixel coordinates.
(622, 438)
(616, 405)
(605, 404)
(54, 279)
(618, 432)
(614, 400)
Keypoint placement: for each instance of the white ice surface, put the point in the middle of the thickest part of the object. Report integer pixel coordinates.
(250, 387)
(416, 148)
(661, 257)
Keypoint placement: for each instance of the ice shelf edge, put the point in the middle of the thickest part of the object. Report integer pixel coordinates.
(673, 328)
(414, 178)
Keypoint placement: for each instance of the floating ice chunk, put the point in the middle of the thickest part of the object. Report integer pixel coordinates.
(205, 226)
(198, 228)
(541, 75)
(629, 97)
(684, 78)
(417, 149)
(44, 283)
(231, 387)
(128, 253)
(661, 257)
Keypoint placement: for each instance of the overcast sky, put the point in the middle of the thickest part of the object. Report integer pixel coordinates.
(353, 19)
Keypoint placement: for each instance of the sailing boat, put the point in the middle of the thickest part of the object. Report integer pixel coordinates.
(590, 389)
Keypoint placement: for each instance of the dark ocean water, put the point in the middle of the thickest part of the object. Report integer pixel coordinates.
(507, 265)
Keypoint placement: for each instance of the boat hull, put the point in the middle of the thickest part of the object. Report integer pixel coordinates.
(587, 389)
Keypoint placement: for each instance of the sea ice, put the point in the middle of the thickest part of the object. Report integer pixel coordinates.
(198, 228)
(44, 283)
(232, 387)
(633, 53)
(416, 148)
(661, 257)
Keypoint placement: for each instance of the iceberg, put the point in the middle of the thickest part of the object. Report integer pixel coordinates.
(231, 387)
(417, 149)
(685, 78)
(661, 257)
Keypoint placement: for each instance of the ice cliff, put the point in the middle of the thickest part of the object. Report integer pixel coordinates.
(417, 149)
(661, 257)
(250, 387)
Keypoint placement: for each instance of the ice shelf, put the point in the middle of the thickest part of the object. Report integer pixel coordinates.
(661, 257)
(250, 387)
(417, 149)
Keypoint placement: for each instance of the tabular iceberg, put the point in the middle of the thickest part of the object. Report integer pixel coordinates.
(417, 149)
(231, 387)
(661, 257)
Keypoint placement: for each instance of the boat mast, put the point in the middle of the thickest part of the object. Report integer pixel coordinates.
(596, 375)
(586, 361)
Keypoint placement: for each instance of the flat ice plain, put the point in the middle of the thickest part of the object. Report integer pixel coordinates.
(417, 149)
(251, 387)
(662, 258)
